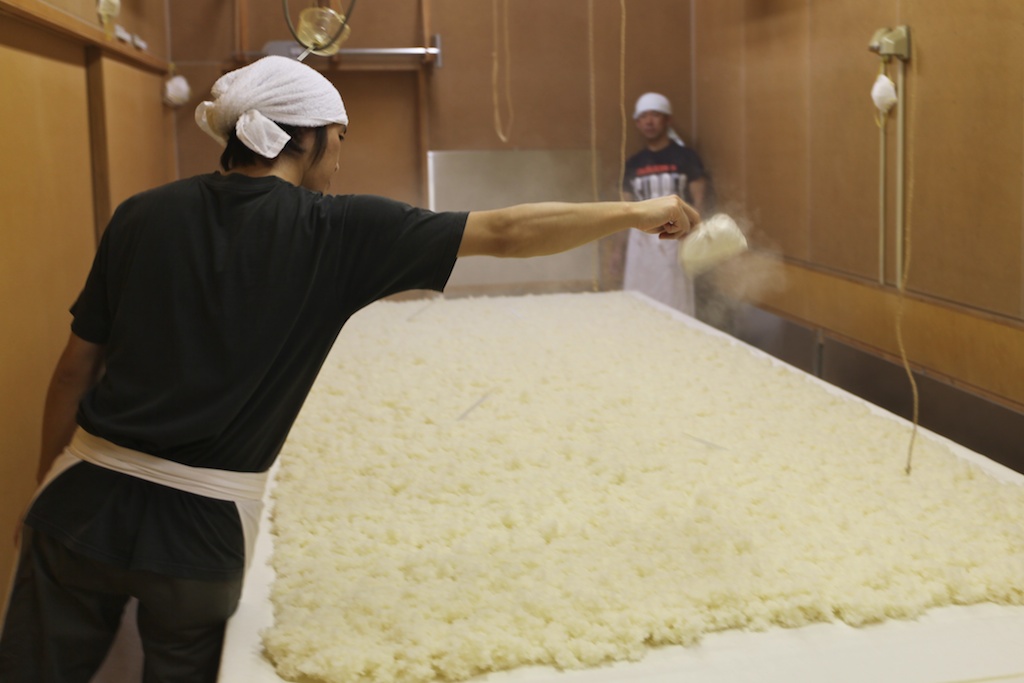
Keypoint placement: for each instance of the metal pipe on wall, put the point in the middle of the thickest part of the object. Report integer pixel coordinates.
(881, 199)
(901, 122)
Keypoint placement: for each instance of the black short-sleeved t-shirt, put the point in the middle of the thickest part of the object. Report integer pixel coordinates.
(217, 299)
(669, 170)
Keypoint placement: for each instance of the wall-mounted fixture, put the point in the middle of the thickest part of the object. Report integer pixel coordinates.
(176, 90)
(891, 42)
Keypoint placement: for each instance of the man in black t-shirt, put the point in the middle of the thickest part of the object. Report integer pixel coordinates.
(209, 309)
(664, 167)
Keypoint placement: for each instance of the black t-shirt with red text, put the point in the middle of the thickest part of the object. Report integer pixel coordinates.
(658, 174)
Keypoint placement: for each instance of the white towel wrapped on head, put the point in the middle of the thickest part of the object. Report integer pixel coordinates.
(252, 100)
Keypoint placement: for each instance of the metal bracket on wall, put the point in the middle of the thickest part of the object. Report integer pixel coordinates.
(892, 42)
(434, 51)
(818, 361)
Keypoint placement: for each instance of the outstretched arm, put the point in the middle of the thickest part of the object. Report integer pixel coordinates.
(551, 227)
(77, 370)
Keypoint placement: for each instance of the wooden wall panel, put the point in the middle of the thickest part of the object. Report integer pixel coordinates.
(133, 132)
(966, 141)
(381, 151)
(808, 149)
(461, 113)
(204, 41)
(551, 75)
(718, 37)
(972, 350)
(776, 54)
(550, 69)
(844, 137)
(148, 20)
(204, 30)
(615, 93)
(197, 152)
(46, 241)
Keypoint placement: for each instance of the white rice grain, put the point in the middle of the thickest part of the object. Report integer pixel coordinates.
(571, 480)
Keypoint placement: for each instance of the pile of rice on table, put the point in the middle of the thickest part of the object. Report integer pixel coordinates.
(569, 480)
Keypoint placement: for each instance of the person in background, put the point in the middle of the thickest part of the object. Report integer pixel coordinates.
(664, 167)
(210, 307)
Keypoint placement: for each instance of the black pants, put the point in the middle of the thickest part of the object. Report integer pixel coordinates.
(65, 609)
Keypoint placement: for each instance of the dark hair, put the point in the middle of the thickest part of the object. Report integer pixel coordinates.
(237, 154)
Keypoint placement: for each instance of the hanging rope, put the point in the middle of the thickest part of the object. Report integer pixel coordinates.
(503, 133)
(902, 284)
(903, 356)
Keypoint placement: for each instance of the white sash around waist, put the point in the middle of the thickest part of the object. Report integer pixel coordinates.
(245, 489)
(202, 481)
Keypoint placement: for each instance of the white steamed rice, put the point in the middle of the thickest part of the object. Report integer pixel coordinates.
(568, 480)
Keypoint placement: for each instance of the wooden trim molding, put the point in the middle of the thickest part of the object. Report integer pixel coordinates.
(241, 27)
(102, 208)
(967, 348)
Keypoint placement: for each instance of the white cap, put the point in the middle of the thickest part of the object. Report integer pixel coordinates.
(652, 101)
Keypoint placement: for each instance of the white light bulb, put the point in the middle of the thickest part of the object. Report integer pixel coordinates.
(884, 93)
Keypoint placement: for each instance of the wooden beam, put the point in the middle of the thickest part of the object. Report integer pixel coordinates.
(102, 208)
(428, 35)
(69, 26)
(241, 28)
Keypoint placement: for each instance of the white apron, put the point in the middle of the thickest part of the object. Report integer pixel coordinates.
(245, 489)
(652, 268)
